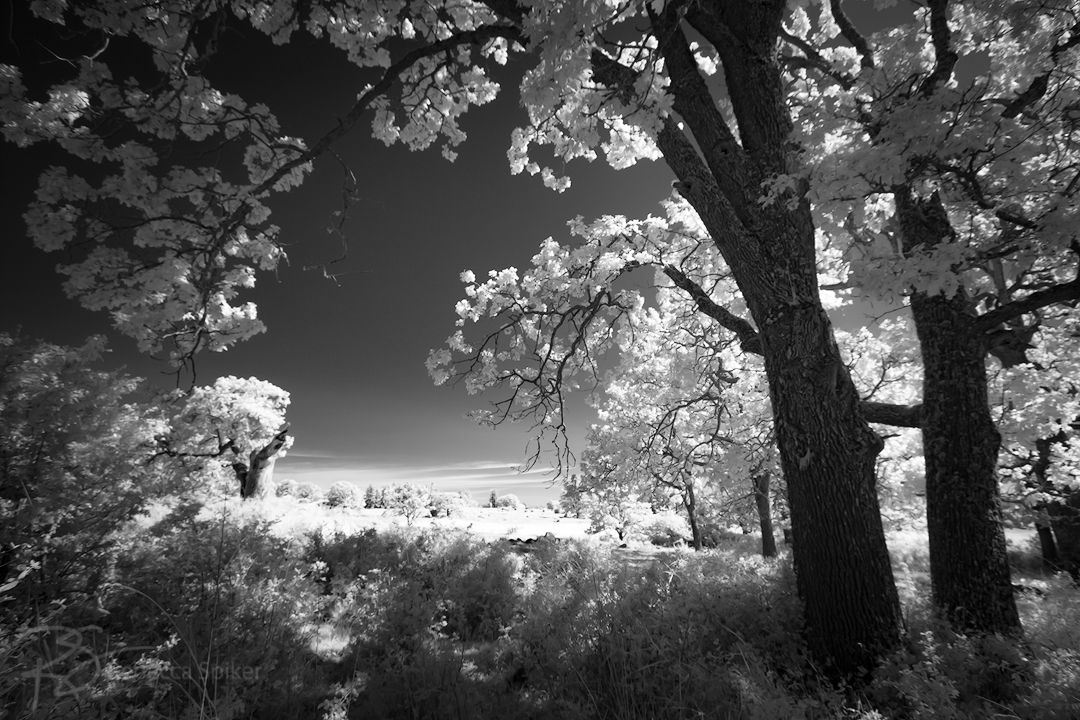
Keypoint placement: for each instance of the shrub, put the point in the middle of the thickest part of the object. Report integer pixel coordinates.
(285, 487)
(665, 529)
(343, 494)
(204, 619)
(308, 492)
(508, 502)
(444, 503)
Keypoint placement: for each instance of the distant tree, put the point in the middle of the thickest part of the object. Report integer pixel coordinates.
(371, 498)
(342, 494)
(408, 500)
(238, 423)
(308, 492)
(443, 504)
(509, 502)
(285, 487)
(570, 499)
(493, 499)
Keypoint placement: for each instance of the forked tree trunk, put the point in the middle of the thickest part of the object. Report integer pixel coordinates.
(256, 476)
(762, 481)
(969, 569)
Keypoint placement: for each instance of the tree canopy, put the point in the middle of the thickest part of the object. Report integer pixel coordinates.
(931, 161)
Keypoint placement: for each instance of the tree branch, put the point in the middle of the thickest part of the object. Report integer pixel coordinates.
(941, 37)
(813, 59)
(693, 101)
(891, 414)
(750, 340)
(1037, 89)
(1063, 293)
(851, 34)
(748, 336)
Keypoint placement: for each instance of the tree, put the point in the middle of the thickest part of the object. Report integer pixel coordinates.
(76, 464)
(409, 501)
(236, 421)
(555, 321)
(168, 245)
(955, 192)
(685, 411)
(570, 497)
(342, 494)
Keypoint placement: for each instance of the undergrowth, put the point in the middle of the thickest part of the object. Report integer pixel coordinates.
(211, 613)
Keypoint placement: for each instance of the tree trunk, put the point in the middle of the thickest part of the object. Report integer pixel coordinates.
(690, 503)
(764, 511)
(256, 477)
(1065, 518)
(1044, 523)
(969, 569)
(1051, 559)
(827, 450)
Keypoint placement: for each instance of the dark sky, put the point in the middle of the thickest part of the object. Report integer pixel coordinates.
(351, 351)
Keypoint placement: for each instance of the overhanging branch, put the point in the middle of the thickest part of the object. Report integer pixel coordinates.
(750, 341)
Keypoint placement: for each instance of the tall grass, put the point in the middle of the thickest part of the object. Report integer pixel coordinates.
(218, 613)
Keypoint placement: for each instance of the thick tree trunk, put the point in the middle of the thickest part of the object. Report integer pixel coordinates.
(969, 569)
(828, 453)
(762, 481)
(256, 477)
(827, 450)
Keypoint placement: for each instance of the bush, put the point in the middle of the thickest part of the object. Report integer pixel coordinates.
(343, 494)
(665, 529)
(444, 503)
(308, 492)
(285, 487)
(508, 502)
(204, 618)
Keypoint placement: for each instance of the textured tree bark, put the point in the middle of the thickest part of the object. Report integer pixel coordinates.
(969, 569)
(762, 481)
